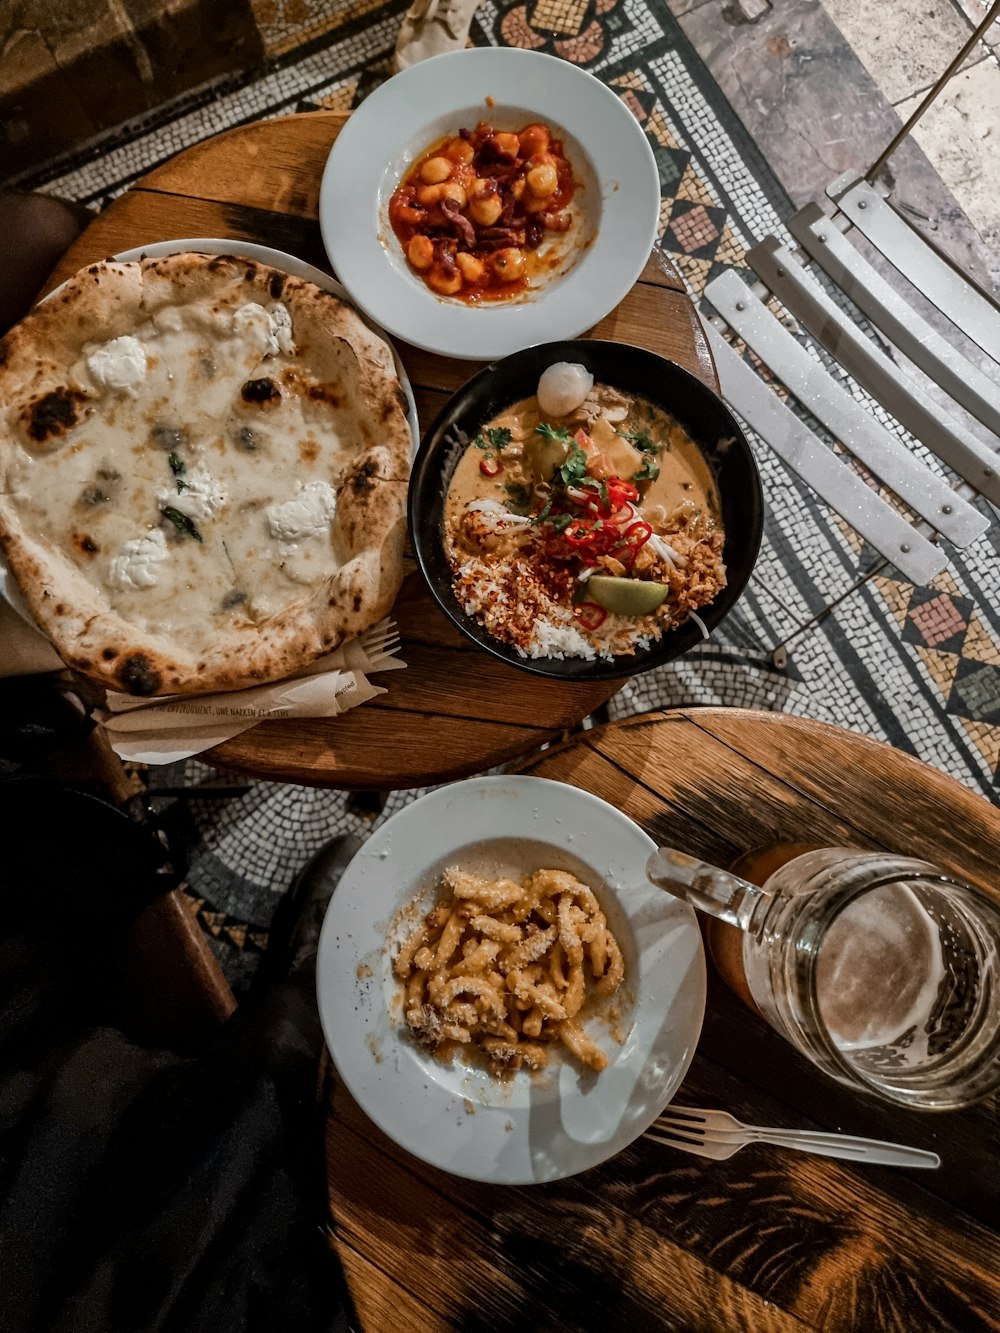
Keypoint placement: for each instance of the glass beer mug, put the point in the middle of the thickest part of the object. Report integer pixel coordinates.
(881, 969)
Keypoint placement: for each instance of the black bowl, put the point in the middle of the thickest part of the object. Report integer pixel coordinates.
(635, 371)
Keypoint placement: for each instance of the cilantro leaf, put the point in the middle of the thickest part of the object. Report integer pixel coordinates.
(480, 443)
(181, 522)
(575, 466)
(560, 522)
(553, 432)
(649, 470)
(499, 437)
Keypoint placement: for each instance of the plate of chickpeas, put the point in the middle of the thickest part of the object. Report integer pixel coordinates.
(487, 200)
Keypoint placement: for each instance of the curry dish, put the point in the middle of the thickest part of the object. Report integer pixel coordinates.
(583, 522)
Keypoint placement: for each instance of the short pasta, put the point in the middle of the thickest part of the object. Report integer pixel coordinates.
(507, 966)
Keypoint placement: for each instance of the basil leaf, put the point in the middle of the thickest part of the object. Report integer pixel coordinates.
(181, 522)
(641, 440)
(520, 495)
(176, 464)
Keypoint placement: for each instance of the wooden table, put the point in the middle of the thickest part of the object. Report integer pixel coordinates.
(455, 710)
(655, 1239)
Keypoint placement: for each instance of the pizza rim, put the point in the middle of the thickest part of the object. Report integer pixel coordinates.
(94, 639)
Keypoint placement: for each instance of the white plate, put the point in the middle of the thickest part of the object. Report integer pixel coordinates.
(287, 263)
(535, 1127)
(620, 200)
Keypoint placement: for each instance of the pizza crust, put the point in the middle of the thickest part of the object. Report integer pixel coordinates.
(245, 427)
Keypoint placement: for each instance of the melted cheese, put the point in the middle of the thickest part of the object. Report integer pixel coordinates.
(253, 525)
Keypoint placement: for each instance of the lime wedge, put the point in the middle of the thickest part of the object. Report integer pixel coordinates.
(625, 597)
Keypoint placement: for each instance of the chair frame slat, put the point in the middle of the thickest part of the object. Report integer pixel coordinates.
(780, 271)
(868, 440)
(916, 558)
(895, 317)
(969, 308)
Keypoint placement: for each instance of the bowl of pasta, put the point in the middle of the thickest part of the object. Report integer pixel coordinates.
(523, 1002)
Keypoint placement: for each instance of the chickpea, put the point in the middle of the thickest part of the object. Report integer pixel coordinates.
(471, 268)
(543, 181)
(433, 194)
(420, 251)
(507, 143)
(459, 150)
(485, 209)
(508, 264)
(517, 187)
(441, 280)
(534, 139)
(452, 190)
(435, 170)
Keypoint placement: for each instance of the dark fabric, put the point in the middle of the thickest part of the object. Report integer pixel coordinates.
(140, 1190)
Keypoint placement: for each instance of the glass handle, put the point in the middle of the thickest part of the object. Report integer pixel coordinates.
(706, 887)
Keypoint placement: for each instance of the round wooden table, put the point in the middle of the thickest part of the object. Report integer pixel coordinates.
(770, 1240)
(455, 710)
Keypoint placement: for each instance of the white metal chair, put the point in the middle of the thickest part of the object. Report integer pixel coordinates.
(874, 375)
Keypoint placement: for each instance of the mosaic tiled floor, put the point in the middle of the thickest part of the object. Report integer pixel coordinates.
(918, 667)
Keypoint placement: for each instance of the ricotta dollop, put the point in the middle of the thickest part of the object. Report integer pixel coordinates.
(135, 565)
(200, 496)
(268, 329)
(306, 514)
(118, 364)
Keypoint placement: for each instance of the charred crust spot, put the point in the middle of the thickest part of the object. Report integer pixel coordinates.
(109, 654)
(95, 268)
(62, 609)
(251, 273)
(308, 451)
(138, 675)
(277, 284)
(362, 482)
(260, 391)
(357, 601)
(54, 413)
(84, 543)
(319, 393)
(401, 399)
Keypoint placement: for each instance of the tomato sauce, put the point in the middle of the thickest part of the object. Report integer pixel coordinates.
(476, 213)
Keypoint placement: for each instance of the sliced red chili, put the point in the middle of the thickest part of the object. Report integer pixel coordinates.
(590, 615)
(620, 491)
(579, 534)
(638, 533)
(490, 467)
